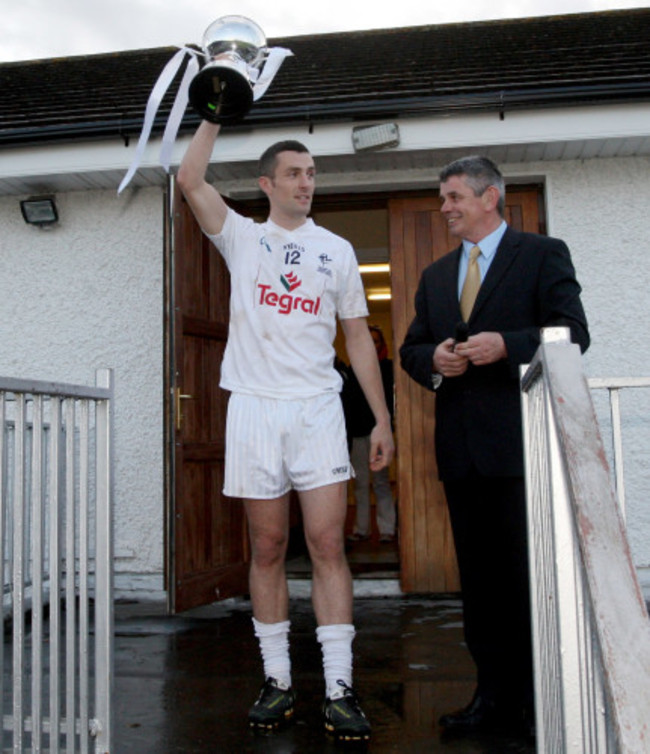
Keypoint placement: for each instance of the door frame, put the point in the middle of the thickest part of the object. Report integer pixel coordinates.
(209, 529)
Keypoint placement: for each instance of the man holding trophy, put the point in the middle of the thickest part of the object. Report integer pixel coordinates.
(290, 280)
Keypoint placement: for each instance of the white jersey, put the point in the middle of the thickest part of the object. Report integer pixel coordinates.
(287, 288)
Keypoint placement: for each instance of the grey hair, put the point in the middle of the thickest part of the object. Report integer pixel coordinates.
(480, 173)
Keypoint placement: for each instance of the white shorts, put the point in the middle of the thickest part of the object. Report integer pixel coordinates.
(273, 445)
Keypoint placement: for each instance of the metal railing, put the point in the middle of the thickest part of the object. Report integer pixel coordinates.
(591, 631)
(614, 385)
(56, 662)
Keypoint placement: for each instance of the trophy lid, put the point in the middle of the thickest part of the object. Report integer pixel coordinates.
(234, 34)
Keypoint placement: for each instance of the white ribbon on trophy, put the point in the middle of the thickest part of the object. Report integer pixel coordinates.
(260, 81)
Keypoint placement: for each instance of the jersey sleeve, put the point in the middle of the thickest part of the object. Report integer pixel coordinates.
(226, 241)
(352, 296)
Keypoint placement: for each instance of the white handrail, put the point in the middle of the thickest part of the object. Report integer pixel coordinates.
(590, 624)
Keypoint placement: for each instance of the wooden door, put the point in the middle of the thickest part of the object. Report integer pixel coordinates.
(209, 550)
(418, 236)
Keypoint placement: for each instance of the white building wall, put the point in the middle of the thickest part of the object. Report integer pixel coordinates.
(86, 294)
(89, 294)
(601, 208)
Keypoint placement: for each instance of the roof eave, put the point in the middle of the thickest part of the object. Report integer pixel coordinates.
(499, 101)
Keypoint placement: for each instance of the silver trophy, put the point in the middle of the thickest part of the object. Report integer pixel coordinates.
(235, 48)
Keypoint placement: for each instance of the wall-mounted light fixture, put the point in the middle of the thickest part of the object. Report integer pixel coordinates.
(365, 138)
(39, 210)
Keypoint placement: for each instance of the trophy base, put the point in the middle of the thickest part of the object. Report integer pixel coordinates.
(220, 93)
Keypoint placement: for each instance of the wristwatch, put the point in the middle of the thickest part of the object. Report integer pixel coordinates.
(436, 380)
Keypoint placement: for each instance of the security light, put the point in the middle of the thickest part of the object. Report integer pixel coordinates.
(39, 210)
(365, 138)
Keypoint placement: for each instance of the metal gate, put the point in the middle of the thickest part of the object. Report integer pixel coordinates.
(56, 661)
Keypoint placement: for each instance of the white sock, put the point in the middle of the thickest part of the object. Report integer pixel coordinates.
(274, 645)
(336, 644)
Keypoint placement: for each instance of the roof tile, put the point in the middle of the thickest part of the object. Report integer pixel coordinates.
(502, 65)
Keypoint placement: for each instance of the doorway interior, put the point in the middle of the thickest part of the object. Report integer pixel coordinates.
(366, 228)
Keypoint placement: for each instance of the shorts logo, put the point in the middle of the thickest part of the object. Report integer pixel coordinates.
(290, 281)
(340, 470)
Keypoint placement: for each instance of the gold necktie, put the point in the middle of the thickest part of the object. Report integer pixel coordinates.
(471, 285)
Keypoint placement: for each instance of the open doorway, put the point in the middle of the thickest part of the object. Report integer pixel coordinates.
(372, 555)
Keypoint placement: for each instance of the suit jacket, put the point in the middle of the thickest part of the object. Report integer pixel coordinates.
(530, 284)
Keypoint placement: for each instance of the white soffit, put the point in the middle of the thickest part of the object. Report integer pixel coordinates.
(426, 144)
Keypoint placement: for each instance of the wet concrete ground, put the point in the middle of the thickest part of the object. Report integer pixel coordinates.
(183, 684)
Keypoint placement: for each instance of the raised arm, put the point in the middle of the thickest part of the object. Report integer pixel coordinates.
(207, 204)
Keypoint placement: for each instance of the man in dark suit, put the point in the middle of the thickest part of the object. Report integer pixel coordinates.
(472, 360)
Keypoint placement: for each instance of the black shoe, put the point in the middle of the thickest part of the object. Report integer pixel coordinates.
(356, 537)
(480, 714)
(273, 707)
(344, 718)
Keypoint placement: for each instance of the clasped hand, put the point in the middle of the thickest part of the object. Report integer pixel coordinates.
(450, 359)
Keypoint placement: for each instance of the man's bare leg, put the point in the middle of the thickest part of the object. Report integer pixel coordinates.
(268, 523)
(324, 510)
